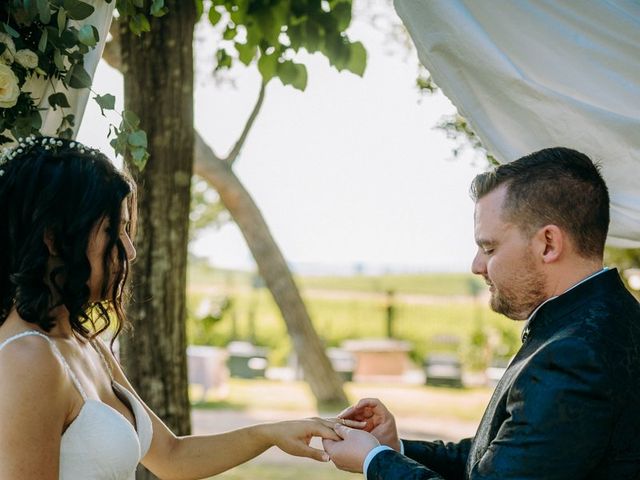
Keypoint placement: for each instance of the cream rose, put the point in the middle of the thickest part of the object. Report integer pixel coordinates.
(7, 56)
(9, 89)
(27, 58)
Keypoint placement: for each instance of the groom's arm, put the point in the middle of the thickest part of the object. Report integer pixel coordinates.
(449, 459)
(360, 451)
(421, 460)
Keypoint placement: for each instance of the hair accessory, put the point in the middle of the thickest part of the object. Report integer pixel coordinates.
(48, 143)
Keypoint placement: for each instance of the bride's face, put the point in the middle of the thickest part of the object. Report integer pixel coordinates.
(98, 241)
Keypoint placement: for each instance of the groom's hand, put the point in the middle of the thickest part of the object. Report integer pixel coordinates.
(349, 453)
(378, 421)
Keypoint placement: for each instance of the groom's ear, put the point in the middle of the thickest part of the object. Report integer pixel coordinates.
(549, 243)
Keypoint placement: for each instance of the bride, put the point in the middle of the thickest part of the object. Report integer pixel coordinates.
(67, 410)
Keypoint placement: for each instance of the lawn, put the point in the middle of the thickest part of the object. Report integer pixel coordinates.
(407, 401)
(310, 471)
(421, 412)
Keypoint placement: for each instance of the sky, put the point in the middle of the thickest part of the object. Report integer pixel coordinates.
(348, 174)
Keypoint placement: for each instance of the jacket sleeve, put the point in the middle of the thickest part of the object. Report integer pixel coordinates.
(421, 460)
(559, 416)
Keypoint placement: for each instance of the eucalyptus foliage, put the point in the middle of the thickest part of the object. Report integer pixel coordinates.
(49, 39)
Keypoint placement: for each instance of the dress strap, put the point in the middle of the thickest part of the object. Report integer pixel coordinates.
(56, 352)
(98, 349)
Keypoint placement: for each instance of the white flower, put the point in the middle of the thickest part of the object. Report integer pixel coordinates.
(9, 89)
(27, 58)
(7, 56)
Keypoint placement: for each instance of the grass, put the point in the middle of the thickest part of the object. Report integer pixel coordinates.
(310, 471)
(404, 400)
(410, 405)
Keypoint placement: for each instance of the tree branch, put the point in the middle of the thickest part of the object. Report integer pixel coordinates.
(205, 158)
(233, 155)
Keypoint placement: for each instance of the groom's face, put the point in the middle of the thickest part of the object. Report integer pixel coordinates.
(505, 259)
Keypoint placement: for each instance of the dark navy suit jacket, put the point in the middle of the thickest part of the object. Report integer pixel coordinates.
(568, 406)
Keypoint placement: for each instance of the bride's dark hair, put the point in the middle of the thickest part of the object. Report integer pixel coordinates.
(61, 189)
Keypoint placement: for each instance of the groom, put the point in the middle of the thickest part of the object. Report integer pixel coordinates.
(568, 406)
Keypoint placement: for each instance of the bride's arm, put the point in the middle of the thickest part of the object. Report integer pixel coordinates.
(194, 457)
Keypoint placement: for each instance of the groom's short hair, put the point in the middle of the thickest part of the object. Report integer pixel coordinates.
(558, 186)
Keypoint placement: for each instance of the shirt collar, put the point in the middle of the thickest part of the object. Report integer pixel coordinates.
(525, 330)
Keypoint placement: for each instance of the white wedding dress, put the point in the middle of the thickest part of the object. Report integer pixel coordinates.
(100, 444)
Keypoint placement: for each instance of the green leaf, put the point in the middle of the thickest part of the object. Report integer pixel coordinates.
(139, 157)
(35, 120)
(342, 13)
(131, 119)
(69, 119)
(139, 23)
(224, 60)
(62, 20)
(229, 33)
(246, 52)
(157, 8)
(114, 144)
(137, 139)
(78, 77)
(269, 26)
(313, 36)
(293, 74)
(66, 133)
(44, 11)
(105, 102)
(214, 15)
(199, 8)
(357, 58)
(42, 44)
(10, 31)
(88, 35)
(238, 13)
(58, 100)
(267, 66)
(78, 10)
(57, 59)
(337, 49)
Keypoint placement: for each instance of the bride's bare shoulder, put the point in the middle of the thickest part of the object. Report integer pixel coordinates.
(29, 366)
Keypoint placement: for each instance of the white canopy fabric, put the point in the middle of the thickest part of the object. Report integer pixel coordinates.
(534, 74)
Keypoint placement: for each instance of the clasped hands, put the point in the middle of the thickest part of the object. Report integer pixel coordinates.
(347, 439)
(363, 427)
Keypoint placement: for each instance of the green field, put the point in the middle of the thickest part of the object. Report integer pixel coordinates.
(431, 311)
(436, 284)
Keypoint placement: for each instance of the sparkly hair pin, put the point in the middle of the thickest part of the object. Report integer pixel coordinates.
(48, 143)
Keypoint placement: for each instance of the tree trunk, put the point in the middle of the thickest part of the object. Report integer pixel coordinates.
(158, 77)
(324, 382)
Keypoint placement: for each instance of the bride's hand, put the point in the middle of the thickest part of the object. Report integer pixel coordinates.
(293, 437)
